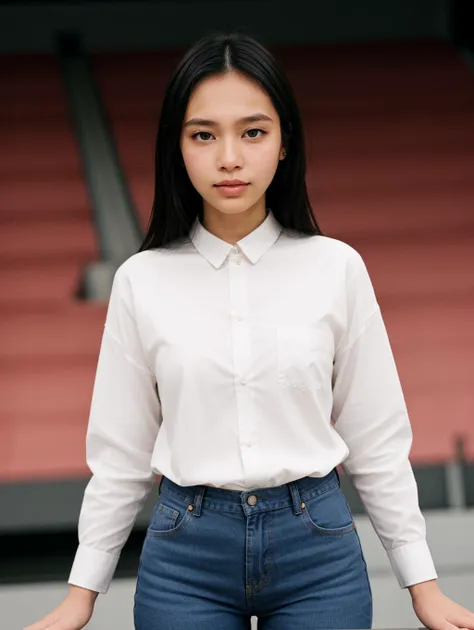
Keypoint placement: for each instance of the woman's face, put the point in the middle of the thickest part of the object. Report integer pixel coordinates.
(231, 131)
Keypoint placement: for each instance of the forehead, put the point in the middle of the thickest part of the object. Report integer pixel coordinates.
(228, 95)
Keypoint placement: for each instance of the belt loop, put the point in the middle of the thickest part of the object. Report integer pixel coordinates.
(159, 484)
(295, 494)
(198, 497)
(338, 476)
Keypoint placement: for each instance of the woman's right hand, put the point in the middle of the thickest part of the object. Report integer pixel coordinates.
(73, 613)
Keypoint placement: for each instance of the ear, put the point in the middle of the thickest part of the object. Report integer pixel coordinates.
(282, 153)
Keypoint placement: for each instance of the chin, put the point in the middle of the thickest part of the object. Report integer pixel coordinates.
(234, 207)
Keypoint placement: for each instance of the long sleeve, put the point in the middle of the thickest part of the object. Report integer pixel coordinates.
(370, 414)
(124, 420)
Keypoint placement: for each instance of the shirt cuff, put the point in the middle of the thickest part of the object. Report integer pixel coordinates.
(93, 569)
(412, 563)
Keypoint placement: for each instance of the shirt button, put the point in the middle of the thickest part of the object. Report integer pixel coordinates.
(239, 318)
(244, 381)
(235, 250)
(252, 500)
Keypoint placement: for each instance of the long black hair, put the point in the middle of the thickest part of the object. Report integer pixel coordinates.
(176, 202)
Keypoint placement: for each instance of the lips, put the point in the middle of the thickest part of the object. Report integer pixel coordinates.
(231, 183)
(231, 188)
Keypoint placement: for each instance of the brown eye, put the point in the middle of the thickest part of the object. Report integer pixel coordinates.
(201, 133)
(251, 133)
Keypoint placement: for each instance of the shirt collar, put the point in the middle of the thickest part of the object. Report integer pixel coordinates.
(254, 245)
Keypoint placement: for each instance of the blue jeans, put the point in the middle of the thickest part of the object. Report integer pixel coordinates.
(290, 555)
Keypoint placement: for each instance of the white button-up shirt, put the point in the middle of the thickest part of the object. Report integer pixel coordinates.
(242, 367)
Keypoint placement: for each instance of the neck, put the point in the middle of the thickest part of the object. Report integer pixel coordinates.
(232, 228)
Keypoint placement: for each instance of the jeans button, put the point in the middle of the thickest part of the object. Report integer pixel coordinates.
(252, 500)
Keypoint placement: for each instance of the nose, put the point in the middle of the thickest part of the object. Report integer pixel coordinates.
(229, 157)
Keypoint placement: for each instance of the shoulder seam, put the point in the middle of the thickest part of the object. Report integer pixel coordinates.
(125, 355)
(367, 323)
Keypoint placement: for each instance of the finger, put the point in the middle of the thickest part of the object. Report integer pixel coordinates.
(56, 625)
(43, 624)
(464, 622)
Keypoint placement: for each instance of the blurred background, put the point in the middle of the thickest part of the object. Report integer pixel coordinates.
(386, 91)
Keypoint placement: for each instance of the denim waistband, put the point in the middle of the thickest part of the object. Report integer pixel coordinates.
(289, 494)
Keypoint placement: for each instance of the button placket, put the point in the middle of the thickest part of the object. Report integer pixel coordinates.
(241, 353)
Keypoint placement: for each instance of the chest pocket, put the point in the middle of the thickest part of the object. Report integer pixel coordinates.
(305, 357)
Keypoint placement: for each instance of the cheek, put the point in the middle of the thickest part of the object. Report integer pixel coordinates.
(196, 167)
(267, 164)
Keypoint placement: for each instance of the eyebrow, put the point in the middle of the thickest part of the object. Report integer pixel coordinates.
(204, 122)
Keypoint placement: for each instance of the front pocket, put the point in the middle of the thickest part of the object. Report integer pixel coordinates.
(328, 514)
(167, 520)
(305, 356)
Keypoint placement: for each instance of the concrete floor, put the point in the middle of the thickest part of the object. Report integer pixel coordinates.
(21, 605)
(449, 537)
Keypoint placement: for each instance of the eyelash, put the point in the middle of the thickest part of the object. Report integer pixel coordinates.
(195, 135)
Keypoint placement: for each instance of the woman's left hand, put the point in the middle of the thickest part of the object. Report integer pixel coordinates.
(438, 612)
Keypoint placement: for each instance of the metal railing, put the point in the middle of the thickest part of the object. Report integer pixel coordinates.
(117, 228)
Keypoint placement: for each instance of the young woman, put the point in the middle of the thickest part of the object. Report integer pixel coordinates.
(244, 358)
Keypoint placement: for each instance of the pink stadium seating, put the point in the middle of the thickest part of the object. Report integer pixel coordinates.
(390, 131)
(48, 340)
